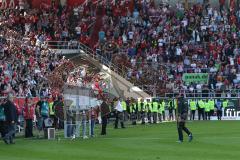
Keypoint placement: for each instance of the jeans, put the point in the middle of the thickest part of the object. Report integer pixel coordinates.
(69, 129)
(11, 129)
(119, 116)
(3, 128)
(84, 127)
(181, 127)
(104, 125)
(29, 128)
(92, 126)
(219, 114)
(192, 115)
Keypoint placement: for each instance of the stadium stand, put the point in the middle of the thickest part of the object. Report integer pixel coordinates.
(154, 44)
(159, 43)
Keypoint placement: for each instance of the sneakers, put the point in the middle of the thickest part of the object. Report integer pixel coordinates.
(73, 137)
(85, 137)
(5, 140)
(179, 141)
(190, 138)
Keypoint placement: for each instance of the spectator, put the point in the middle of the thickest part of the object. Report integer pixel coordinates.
(11, 119)
(29, 112)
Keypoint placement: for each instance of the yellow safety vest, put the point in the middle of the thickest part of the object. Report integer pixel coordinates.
(175, 103)
(149, 106)
(124, 105)
(155, 107)
(225, 104)
(207, 107)
(193, 105)
(211, 104)
(51, 109)
(201, 104)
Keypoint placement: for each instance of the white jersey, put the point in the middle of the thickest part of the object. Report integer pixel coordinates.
(119, 107)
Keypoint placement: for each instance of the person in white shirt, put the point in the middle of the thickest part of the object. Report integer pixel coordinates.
(124, 38)
(118, 112)
(178, 51)
(76, 11)
(78, 30)
(130, 35)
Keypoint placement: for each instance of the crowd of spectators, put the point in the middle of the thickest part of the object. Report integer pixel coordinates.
(25, 59)
(153, 44)
(156, 43)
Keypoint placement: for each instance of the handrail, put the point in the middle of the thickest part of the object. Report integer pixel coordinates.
(80, 46)
(194, 92)
(196, 98)
(75, 45)
(103, 60)
(89, 51)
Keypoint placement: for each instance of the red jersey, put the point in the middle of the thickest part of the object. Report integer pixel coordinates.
(29, 112)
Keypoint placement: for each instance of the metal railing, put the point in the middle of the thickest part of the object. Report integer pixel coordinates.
(206, 93)
(103, 60)
(95, 55)
(84, 49)
(62, 44)
(120, 71)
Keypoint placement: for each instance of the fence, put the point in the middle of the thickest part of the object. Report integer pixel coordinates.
(205, 92)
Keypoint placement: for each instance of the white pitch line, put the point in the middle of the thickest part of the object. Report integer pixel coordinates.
(135, 138)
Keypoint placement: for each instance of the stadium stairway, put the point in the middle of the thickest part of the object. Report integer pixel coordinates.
(122, 87)
(97, 27)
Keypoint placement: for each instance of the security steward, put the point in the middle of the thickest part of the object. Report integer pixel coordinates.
(193, 107)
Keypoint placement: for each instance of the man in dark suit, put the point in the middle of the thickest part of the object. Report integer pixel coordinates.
(11, 119)
(105, 110)
(182, 113)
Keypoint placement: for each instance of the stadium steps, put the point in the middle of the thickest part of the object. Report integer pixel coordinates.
(97, 27)
(123, 87)
(92, 68)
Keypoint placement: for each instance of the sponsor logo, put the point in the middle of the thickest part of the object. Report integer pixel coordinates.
(231, 113)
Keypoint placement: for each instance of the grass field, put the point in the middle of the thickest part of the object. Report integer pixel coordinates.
(212, 141)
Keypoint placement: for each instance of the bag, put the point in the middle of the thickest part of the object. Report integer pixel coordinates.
(48, 122)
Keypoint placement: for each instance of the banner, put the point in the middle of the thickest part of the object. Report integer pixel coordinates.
(232, 112)
(195, 78)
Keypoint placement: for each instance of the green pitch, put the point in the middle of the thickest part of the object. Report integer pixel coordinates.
(212, 140)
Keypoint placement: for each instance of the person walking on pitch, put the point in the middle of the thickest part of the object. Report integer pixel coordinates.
(182, 113)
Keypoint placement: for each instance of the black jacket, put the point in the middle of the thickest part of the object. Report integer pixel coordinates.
(182, 109)
(104, 108)
(10, 111)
